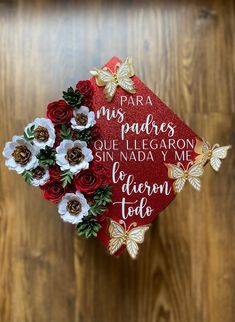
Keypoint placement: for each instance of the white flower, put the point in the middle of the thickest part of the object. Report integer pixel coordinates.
(20, 154)
(73, 207)
(40, 176)
(43, 131)
(73, 156)
(83, 119)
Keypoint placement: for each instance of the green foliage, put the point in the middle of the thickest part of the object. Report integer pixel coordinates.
(66, 178)
(88, 227)
(84, 135)
(96, 209)
(73, 98)
(103, 195)
(65, 132)
(29, 133)
(28, 176)
(46, 156)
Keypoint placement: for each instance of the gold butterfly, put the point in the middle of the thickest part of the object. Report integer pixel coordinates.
(181, 174)
(122, 78)
(129, 237)
(214, 154)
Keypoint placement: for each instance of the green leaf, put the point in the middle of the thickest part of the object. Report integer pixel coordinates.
(82, 226)
(103, 195)
(88, 232)
(28, 176)
(46, 157)
(96, 228)
(66, 178)
(73, 97)
(85, 135)
(88, 227)
(29, 133)
(96, 209)
(65, 132)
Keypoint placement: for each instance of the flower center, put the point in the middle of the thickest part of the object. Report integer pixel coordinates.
(74, 155)
(74, 207)
(81, 119)
(41, 134)
(21, 154)
(38, 172)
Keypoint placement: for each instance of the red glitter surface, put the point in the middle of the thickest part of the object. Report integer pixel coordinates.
(151, 171)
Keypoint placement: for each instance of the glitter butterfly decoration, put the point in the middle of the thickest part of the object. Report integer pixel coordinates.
(129, 237)
(181, 175)
(214, 154)
(121, 77)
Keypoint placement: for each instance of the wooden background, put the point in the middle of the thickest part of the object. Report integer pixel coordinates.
(184, 51)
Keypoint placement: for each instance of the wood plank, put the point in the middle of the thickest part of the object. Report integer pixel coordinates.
(184, 51)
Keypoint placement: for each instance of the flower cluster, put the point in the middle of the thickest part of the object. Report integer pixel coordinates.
(55, 153)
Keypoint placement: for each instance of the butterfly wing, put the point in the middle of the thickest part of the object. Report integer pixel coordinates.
(215, 163)
(195, 171)
(136, 235)
(221, 152)
(174, 171)
(177, 173)
(132, 248)
(202, 148)
(179, 184)
(102, 76)
(110, 90)
(128, 85)
(114, 245)
(217, 154)
(125, 69)
(195, 182)
(105, 78)
(131, 69)
(124, 72)
(116, 232)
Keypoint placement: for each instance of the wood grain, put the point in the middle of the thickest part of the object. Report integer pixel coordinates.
(184, 51)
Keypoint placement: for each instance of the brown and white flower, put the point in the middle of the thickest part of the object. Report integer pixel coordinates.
(40, 176)
(73, 155)
(44, 132)
(73, 207)
(20, 154)
(82, 118)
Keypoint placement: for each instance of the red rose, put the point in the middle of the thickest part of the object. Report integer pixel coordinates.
(55, 172)
(87, 181)
(100, 170)
(53, 191)
(59, 112)
(86, 89)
